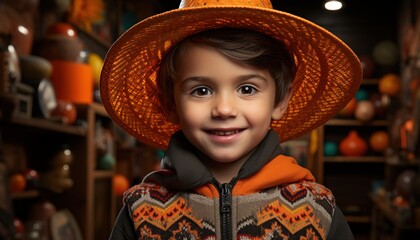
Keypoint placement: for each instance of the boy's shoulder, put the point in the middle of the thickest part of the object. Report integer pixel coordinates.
(308, 190)
(149, 189)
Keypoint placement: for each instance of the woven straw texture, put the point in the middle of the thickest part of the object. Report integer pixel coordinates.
(328, 75)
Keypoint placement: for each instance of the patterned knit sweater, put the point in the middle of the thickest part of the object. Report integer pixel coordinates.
(270, 199)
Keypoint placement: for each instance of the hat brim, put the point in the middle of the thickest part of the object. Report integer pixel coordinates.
(329, 73)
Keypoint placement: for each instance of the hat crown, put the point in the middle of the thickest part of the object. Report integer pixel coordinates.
(242, 3)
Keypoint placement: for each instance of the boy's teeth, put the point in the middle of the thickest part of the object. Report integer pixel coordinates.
(224, 133)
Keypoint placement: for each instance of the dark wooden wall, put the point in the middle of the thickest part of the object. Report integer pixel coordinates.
(361, 24)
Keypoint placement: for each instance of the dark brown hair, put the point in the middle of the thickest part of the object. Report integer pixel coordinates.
(243, 46)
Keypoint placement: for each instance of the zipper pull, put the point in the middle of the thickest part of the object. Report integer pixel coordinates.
(226, 198)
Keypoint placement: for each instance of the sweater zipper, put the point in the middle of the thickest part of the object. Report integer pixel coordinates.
(225, 191)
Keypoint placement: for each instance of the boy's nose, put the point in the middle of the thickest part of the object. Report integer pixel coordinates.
(224, 107)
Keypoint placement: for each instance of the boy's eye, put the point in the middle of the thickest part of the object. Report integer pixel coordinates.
(247, 90)
(201, 91)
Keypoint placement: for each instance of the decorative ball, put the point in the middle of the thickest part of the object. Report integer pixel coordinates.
(60, 48)
(362, 94)
(330, 148)
(349, 109)
(17, 182)
(96, 62)
(353, 145)
(65, 110)
(120, 184)
(386, 53)
(379, 141)
(32, 178)
(390, 84)
(62, 29)
(106, 162)
(409, 125)
(365, 111)
(400, 202)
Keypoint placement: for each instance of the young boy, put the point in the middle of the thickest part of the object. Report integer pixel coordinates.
(219, 84)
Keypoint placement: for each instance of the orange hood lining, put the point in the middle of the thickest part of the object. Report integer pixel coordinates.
(282, 170)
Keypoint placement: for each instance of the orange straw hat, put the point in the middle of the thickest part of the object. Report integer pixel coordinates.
(328, 74)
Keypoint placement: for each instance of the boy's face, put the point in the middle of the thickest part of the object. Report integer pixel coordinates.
(224, 108)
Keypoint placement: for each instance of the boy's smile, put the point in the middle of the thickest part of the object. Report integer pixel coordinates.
(224, 108)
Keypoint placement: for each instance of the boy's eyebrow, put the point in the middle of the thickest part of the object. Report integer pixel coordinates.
(250, 76)
(194, 79)
(239, 79)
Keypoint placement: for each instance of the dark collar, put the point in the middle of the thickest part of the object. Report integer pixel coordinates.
(187, 172)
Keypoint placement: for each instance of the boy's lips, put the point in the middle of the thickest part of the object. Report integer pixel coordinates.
(224, 136)
(224, 132)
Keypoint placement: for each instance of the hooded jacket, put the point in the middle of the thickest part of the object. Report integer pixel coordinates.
(272, 197)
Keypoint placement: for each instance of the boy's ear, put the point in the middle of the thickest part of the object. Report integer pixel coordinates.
(281, 107)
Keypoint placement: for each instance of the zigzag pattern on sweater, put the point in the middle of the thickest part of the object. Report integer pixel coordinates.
(295, 211)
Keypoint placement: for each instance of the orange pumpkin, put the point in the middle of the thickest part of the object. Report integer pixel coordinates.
(17, 182)
(120, 184)
(390, 84)
(349, 109)
(379, 141)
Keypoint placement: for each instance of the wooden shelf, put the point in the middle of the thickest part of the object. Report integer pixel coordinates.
(99, 109)
(358, 219)
(25, 194)
(349, 174)
(370, 81)
(361, 159)
(353, 122)
(103, 174)
(403, 164)
(48, 125)
(90, 184)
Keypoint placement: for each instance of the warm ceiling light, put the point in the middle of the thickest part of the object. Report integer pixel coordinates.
(333, 5)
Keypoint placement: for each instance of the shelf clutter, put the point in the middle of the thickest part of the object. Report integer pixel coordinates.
(369, 154)
(391, 220)
(63, 163)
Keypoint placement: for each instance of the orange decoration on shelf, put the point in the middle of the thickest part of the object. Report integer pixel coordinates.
(17, 182)
(120, 184)
(65, 110)
(349, 109)
(72, 81)
(379, 141)
(353, 145)
(390, 84)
